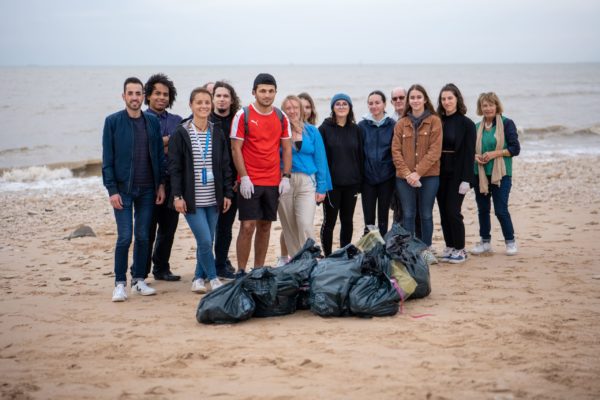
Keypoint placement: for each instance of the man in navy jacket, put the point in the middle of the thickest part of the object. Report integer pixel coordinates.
(133, 174)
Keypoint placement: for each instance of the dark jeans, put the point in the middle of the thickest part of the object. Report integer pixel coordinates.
(134, 218)
(166, 219)
(377, 196)
(499, 194)
(398, 217)
(223, 235)
(342, 200)
(425, 196)
(450, 204)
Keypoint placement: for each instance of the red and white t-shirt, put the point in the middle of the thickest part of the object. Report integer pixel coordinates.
(261, 144)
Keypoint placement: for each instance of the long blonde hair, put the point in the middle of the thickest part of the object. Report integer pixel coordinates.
(297, 126)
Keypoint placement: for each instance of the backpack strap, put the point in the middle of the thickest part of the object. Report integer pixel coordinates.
(278, 112)
(280, 116)
(246, 112)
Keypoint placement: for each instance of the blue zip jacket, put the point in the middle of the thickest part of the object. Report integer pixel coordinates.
(377, 145)
(312, 159)
(117, 152)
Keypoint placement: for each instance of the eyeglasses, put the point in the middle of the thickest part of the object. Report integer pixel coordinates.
(398, 98)
(341, 105)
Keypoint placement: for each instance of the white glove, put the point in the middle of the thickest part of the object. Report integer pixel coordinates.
(284, 185)
(464, 188)
(246, 187)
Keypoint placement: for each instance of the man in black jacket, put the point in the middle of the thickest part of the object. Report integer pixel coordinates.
(225, 104)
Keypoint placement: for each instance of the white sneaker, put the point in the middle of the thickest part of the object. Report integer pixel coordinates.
(429, 257)
(198, 286)
(119, 294)
(142, 288)
(282, 260)
(511, 248)
(446, 253)
(215, 284)
(482, 248)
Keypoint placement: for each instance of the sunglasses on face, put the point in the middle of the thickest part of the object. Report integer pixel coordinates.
(398, 98)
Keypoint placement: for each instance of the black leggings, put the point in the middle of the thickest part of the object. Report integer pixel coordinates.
(450, 204)
(340, 199)
(377, 196)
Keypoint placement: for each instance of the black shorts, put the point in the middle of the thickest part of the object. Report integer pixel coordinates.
(262, 206)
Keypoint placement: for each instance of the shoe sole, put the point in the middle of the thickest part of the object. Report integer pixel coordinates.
(457, 261)
(201, 291)
(144, 294)
(119, 300)
(484, 254)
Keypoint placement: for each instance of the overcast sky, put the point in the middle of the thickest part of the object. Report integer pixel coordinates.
(222, 32)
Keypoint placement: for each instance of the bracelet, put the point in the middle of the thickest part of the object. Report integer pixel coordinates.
(287, 175)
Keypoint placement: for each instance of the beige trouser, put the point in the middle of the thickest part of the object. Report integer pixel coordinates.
(297, 211)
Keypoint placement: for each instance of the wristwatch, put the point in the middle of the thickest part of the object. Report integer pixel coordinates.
(286, 175)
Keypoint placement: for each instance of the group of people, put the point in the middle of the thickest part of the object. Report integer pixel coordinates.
(264, 162)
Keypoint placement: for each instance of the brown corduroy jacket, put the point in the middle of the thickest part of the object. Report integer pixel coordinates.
(425, 158)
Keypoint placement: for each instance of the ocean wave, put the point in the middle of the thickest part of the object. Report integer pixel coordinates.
(22, 149)
(563, 131)
(48, 180)
(34, 174)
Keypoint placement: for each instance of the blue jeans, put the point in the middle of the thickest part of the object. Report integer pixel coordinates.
(426, 198)
(203, 224)
(135, 217)
(499, 194)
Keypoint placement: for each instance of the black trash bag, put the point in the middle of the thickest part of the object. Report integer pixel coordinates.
(288, 280)
(261, 284)
(226, 305)
(374, 296)
(303, 298)
(293, 275)
(402, 239)
(310, 250)
(376, 260)
(402, 246)
(331, 281)
(283, 305)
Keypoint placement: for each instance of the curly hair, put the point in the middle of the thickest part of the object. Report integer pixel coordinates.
(162, 79)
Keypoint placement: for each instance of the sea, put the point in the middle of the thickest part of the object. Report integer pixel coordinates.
(51, 118)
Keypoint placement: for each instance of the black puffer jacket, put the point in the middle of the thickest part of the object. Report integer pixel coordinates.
(181, 166)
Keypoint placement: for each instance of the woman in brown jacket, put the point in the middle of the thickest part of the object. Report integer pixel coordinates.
(416, 151)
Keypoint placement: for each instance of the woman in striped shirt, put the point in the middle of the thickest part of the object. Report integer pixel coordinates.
(200, 181)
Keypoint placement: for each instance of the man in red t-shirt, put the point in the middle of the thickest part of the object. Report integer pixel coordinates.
(256, 143)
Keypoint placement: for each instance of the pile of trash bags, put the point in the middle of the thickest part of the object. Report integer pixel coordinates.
(369, 279)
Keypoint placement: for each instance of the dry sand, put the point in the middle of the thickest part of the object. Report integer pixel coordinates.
(495, 327)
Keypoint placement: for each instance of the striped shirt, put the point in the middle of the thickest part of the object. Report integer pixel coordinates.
(205, 193)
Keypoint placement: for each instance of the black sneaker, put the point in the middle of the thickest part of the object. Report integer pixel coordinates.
(224, 273)
(240, 274)
(229, 267)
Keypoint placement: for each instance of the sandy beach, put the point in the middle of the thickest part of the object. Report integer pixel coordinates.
(496, 327)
